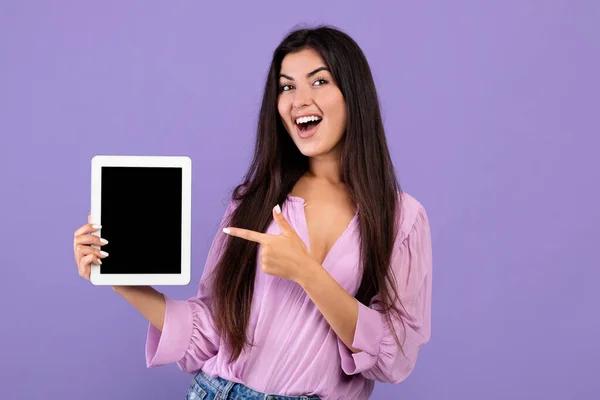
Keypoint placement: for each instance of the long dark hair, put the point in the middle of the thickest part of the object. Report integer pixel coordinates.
(367, 171)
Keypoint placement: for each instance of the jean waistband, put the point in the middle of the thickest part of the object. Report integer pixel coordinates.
(226, 387)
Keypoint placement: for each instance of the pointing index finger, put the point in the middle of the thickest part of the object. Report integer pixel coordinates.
(247, 234)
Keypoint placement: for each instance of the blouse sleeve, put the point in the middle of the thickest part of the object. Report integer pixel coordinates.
(381, 359)
(189, 336)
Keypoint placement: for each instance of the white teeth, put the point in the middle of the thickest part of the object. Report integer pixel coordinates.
(303, 120)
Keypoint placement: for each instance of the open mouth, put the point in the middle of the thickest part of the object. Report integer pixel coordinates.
(308, 123)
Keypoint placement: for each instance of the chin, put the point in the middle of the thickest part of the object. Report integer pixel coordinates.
(313, 150)
(310, 152)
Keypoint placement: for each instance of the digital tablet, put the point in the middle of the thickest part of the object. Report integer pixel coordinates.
(143, 204)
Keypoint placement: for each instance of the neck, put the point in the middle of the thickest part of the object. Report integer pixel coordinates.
(327, 167)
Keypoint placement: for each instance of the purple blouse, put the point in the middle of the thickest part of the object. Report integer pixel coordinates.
(296, 352)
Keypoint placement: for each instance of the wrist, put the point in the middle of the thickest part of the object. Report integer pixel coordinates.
(119, 289)
(125, 289)
(310, 274)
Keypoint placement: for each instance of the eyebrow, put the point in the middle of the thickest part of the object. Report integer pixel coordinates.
(307, 75)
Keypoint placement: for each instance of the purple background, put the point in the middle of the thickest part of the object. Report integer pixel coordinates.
(491, 110)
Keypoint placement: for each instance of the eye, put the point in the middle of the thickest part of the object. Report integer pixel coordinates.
(285, 88)
(320, 82)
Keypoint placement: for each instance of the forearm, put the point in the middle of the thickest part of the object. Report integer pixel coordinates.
(338, 307)
(147, 300)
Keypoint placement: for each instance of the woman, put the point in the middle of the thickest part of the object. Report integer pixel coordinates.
(320, 283)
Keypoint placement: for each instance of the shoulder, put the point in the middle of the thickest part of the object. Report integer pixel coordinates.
(412, 214)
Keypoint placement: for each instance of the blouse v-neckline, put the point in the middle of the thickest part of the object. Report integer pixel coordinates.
(302, 203)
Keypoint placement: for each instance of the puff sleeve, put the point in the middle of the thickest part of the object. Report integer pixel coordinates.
(381, 359)
(189, 336)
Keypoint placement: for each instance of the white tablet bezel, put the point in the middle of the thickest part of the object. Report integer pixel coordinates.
(183, 162)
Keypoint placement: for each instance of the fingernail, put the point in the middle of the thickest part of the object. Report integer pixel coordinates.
(97, 226)
(103, 253)
(99, 262)
(277, 209)
(104, 241)
(227, 231)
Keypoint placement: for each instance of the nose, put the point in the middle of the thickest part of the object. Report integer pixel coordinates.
(302, 97)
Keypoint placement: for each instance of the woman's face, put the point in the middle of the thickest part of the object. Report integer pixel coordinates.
(310, 104)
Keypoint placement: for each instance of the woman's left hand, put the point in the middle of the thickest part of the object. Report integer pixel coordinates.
(285, 255)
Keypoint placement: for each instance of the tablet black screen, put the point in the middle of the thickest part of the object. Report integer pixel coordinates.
(141, 217)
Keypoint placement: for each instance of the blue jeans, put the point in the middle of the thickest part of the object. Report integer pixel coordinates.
(203, 387)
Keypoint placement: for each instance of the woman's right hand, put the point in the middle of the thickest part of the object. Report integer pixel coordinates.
(83, 251)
